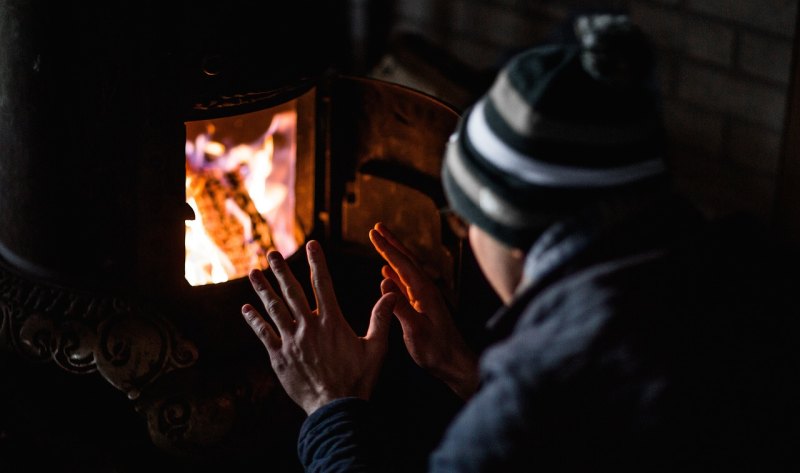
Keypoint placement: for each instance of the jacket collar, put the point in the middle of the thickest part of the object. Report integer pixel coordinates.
(601, 233)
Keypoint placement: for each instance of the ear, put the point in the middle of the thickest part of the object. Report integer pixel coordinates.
(517, 254)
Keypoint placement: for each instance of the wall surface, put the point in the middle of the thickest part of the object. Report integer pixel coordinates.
(724, 68)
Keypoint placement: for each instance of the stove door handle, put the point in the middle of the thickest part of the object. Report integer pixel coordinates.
(408, 176)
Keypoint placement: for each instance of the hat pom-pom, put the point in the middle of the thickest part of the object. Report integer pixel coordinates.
(614, 50)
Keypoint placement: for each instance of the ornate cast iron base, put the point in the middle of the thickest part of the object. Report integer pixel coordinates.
(83, 333)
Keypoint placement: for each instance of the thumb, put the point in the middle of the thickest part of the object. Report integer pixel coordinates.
(381, 318)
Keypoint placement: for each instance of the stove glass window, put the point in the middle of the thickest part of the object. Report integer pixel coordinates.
(240, 183)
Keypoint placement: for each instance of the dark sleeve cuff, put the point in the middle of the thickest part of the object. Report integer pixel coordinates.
(338, 437)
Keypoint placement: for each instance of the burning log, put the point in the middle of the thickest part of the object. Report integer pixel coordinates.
(239, 192)
(231, 220)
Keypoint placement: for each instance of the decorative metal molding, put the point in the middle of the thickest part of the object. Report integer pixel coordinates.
(85, 333)
(133, 349)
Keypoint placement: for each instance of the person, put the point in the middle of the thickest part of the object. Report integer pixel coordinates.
(630, 337)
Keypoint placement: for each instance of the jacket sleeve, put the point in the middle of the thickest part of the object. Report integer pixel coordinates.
(488, 435)
(338, 437)
(492, 433)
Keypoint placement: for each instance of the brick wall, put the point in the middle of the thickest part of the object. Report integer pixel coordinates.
(724, 68)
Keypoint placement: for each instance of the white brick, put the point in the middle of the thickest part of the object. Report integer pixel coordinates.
(742, 191)
(718, 188)
(686, 34)
(689, 127)
(474, 53)
(496, 24)
(552, 9)
(745, 99)
(425, 11)
(698, 178)
(425, 29)
(665, 75)
(756, 149)
(766, 57)
(777, 16)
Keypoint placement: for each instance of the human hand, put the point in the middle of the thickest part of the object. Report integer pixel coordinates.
(430, 334)
(315, 354)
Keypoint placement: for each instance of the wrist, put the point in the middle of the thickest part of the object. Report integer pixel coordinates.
(461, 376)
(324, 399)
(312, 406)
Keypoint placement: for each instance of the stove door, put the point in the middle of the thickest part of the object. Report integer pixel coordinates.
(386, 148)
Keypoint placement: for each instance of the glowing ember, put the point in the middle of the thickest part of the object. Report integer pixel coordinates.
(242, 193)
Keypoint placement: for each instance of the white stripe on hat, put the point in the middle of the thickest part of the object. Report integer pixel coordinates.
(540, 173)
(491, 204)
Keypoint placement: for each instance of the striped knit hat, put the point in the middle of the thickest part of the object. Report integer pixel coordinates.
(562, 126)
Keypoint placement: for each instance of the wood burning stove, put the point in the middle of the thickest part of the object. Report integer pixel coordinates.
(120, 136)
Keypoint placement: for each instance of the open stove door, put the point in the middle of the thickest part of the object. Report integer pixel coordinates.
(386, 149)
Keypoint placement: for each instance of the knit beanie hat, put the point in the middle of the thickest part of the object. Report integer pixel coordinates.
(562, 126)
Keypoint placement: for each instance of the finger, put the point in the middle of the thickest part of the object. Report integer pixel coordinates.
(404, 265)
(410, 320)
(402, 307)
(262, 328)
(406, 273)
(290, 288)
(390, 276)
(275, 307)
(390, 237)
(321, 279)
(381, 319)
(388, 285)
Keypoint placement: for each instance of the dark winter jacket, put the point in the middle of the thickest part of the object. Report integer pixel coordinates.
(641, 339)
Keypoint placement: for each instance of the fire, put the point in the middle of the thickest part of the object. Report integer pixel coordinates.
(242, 193)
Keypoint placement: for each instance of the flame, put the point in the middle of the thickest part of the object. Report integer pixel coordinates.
(242, 195)
(205, 262)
